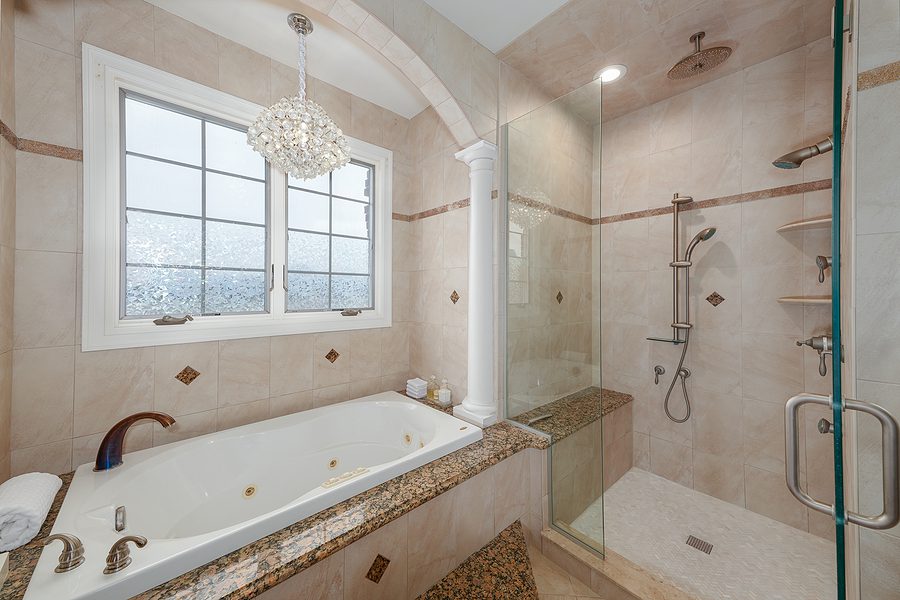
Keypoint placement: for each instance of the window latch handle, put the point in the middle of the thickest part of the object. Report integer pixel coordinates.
(170, 320)
(350, 312)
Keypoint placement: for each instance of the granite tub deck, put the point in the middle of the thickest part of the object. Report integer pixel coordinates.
(251, 570)
(571, 413)
(499, 571)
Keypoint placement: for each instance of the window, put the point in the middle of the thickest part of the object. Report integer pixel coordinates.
(518, 265)
(182, 217)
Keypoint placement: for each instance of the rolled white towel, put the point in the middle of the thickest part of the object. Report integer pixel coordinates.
(24, 503)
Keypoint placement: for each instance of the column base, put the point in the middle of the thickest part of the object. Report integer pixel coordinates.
(476, 419)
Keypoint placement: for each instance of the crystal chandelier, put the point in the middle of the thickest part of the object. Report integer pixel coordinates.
(528, 208)
(295, 134)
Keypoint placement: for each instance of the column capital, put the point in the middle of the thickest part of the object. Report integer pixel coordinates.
(479, 150)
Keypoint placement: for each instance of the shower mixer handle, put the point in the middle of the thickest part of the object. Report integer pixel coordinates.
(823, 262)
(822, 345)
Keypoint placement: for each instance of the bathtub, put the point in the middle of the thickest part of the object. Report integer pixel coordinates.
(204, 497)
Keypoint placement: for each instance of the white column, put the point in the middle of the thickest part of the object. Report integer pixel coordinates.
(480, 404)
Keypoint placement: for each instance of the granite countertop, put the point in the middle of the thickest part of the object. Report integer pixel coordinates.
(570, 413)
(267, 562)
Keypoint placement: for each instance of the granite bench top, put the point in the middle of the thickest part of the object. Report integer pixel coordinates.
(570, 413)
(267, 562)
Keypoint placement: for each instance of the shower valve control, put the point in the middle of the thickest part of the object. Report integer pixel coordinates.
(823, 262)
(822, 345)
(657, 371)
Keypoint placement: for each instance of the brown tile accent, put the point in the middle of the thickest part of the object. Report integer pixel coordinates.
(777, 192)
(454, 297)
(376, 571)
(559, 297)
(553, 210)
(43, 148)
(715, 299)
(332, 355)
(888, 73)
(187, 375)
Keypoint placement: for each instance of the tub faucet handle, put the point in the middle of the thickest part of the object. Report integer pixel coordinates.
(119, 555)
(72, 555)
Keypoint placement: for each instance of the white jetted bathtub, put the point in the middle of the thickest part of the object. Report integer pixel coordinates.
(201, 498)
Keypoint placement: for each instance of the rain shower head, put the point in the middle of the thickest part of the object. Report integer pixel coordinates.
(704, 235)
(701, 61)
(793, 160)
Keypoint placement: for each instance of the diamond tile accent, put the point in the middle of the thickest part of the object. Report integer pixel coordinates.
(187, 375)
(454, 297)
(559, 297)
(379, 566)
(715, 299)
(332, 355)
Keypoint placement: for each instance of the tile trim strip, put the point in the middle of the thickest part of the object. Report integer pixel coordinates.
(777, 192)
(878, 76)
(42, 148)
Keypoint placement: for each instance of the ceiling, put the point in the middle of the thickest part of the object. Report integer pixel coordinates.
(568, 47)
(335, 54)
(495, 23)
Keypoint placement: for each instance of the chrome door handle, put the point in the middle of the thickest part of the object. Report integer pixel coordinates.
(792, 449)
(890, 447)
(890, 468)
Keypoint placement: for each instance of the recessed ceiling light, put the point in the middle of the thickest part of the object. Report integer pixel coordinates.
(611, 73)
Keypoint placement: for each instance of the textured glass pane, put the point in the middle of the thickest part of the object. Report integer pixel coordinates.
(162, 240)
(518, 292)
(307, 292)
(162, 133)
(163, 186)
(349, 255)
(350, 291)
(235, 291)
(319, 184)
(235, 199)
(349, 218)
(307, 251)
(236, 246)
(518, 269)
(227, 150)
(516, 244)
(153, 292)
(352, 181)
(307, 211)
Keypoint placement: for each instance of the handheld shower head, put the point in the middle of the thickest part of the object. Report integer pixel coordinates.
(704, 235)
(793, 160)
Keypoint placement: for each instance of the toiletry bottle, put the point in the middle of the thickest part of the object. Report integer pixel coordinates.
(432, 388)
(444, 395)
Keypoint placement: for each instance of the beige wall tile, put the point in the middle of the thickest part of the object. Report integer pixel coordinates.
(7, 297)
(290, 403)
(121, 26)
(878, 565)
(283, 81)
(390, 541)
(185, 49)
(174, 397)
(767, 495)
(292, 364)
(367, 387)
(327, 373)
(511, 485)
(336, 103)
(365, 354)
(47, 24)
(111, 385)
(242, 414)
(53, 458)
(7, 193)
(243, 72)
(45, 203)
(719, 476)
(327, 396)
(324, 580)
(395, 349)
(671, 461)
(45, 94)
(44, 299)
(244, 367)
(43, 391)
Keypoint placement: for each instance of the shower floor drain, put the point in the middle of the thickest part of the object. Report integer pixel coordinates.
(701, 545)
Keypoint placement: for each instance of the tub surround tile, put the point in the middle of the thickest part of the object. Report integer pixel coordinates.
(265, 563)
(501, 569)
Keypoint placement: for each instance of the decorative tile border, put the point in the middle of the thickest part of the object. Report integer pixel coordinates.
(785, 190)
(885, 74)
(42, 148)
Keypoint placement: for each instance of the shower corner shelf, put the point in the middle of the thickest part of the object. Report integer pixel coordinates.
(666, 340)
(823, 222)
(806, 300)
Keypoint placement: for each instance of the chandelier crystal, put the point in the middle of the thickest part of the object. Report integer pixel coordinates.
(528, 208)
(295, 134)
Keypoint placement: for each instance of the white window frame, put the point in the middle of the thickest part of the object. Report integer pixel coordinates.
(105, 74)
